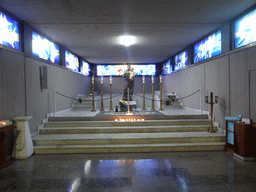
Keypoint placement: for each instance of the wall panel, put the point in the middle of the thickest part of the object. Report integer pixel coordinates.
(239, 84)
(37, 99)
(217, 81)
(12, 85)
(171, 83)
(69, 84)
(1, 92)
(253, 95)
(191, 81)
(226, 76)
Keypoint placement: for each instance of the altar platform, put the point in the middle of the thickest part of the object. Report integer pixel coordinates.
(114, 132)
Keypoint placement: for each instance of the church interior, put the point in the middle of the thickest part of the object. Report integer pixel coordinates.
(109, 95)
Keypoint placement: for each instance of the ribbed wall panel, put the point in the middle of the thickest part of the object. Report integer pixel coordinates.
(227, 77)
(37, 99)
(239, 84)
(252, 62)
(192, 80)
(69, 84)
(20, 91)
(217, 81)
(1, 89)
(253, 95)
(12, 85)
(251, 58)
(171, 83)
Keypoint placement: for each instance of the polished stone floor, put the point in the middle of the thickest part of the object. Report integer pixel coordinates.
(149, 172)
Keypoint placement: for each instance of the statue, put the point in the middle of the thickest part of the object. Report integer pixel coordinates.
(129, 83)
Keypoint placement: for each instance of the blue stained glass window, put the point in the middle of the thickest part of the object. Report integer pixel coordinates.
(180, 60)
(71, 61)
(45, 49)
(9, 32)
(245, 30)
(208, 47)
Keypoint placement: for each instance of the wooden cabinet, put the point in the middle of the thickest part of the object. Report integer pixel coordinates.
(7, 139)
(244, 140)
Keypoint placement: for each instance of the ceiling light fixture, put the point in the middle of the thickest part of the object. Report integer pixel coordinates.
(127, 40)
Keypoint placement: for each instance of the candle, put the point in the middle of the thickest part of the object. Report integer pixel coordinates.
(110, 80)
(152, 78)
(92, 79)
(101, 80)
(160, 78)
(143, 79)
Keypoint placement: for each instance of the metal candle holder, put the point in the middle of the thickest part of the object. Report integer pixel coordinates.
(102, 108)
(211, 130)
(144, 105)
(93, 106)
(153, 101)
(161, 98)
(110, 85)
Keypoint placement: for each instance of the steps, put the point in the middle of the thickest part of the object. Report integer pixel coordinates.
(86, 102)
(74, 135)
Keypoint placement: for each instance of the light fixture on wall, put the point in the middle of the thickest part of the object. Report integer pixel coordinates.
(127, 40)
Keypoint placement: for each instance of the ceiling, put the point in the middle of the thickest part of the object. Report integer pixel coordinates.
(90, 28)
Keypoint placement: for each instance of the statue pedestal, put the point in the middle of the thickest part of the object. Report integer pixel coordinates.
(124, 105)
(24, 146)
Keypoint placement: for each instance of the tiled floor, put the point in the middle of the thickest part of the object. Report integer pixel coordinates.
(149, 172)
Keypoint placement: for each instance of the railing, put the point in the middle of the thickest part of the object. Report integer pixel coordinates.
(108, 98)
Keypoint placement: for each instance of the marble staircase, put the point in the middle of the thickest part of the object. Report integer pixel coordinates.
(96, 136)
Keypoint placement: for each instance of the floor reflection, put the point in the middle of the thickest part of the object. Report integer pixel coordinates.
(191, 171)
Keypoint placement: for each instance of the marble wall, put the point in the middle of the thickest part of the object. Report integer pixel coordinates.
(230, 76)
(20, 89)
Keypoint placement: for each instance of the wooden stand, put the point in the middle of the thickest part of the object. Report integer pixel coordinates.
(6, 145)
(244, 141)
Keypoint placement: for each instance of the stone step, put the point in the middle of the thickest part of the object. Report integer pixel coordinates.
(85, 104)
(135, 129)
(127, 138)
(121, 124)
(220, 146)
(120, 115)
(81, 107)
(87, 97)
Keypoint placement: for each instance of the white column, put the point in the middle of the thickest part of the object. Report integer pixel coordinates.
(24, 146)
